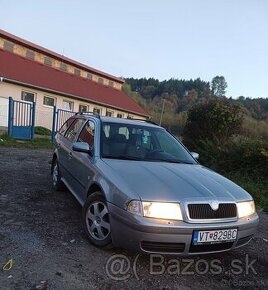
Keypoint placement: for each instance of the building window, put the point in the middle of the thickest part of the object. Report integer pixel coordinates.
(109, 113)
(48, 101)
(27, 96)
(83, 108)
(63, 66)
(68, 105)
(29, 54)
(48, 61)
(8, 46)
(89, 76)
(119, 115)
(100, 81)
(97, 111)
(111, 84)
(77, 72)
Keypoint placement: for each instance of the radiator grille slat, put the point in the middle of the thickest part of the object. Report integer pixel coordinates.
(204, 211)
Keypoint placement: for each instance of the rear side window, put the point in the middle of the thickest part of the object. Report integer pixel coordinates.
(74, 129)
(87, 134)
(65, 126)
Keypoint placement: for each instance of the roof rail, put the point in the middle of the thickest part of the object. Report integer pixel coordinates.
(88, 113)
(147, 121)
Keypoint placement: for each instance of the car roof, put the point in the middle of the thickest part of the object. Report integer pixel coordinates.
(128, 121)
(146, 123)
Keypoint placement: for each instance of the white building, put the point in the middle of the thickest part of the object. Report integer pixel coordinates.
(32, 73)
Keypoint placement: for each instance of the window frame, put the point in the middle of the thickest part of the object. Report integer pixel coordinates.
(97, 108)
(70, 119)
(83, 106)
(46, 96)
(29, 92)
(154, 141)
(67, 101)
(88, 121)
(108, 111)
(77, 72)
(101, 80)
(121, 114)
(78, 131)
(89, 76)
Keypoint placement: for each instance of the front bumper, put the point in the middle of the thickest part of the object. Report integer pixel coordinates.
(172, 237)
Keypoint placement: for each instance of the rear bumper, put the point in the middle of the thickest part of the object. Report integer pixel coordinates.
(173, 237)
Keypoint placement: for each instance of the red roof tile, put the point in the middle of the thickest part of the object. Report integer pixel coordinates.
(20, 69)
(53, 54)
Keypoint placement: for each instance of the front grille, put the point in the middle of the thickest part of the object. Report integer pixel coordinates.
(210, 247)
(243, 241)
(204, 211)
(162, 247)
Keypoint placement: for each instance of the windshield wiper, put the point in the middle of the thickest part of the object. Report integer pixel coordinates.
(127, 157)
(123, 157)
(171, 161)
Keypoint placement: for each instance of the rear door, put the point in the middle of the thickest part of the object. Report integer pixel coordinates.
(66, 153)
(59, 139)
(82, 168)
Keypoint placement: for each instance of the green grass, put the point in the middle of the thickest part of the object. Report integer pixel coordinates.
(38, 130)
(7, 141)
(256, 187)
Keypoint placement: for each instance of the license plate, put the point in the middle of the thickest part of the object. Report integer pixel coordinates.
(215, 236)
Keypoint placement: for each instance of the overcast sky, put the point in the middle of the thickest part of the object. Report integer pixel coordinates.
(153, 38)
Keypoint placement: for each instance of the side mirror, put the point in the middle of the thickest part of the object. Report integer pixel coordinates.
(195, 155)
(82, 147)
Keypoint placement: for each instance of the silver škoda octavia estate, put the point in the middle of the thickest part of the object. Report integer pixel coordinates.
(141, 189)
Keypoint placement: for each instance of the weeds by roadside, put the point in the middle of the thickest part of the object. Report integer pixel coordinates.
(7, 141)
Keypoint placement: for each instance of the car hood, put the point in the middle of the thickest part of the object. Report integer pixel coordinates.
(163, 181)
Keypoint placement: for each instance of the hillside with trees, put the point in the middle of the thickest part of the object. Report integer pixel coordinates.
(231, 135)
(175, 97)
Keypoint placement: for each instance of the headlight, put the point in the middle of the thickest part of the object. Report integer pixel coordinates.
(160, 210)
(245, 208)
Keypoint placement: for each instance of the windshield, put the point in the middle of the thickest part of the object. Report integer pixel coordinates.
(136, 142)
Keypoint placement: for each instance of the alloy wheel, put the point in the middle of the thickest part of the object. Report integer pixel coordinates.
(97, 220)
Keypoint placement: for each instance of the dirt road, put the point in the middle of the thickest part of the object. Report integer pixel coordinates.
(40, 231)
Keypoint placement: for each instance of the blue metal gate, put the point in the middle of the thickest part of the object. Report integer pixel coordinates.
(60, 116)
(21, 116)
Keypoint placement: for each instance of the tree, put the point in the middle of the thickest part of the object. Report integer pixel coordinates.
(216, 121)
(219, 86)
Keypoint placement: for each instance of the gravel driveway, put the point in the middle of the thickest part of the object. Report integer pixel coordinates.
(40, 231)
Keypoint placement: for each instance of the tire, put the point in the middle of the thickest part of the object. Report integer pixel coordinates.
(96, 222)
(57, 184)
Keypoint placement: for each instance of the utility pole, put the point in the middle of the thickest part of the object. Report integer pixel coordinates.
(163, 107)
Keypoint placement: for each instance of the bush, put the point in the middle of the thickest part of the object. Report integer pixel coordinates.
(38, 130)
(254, 128)
(243, 160)
(241, 154)
(215, 120)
